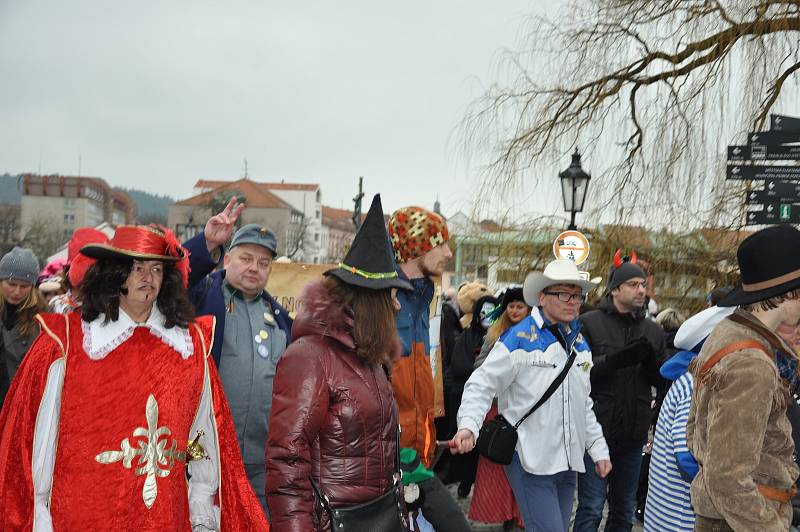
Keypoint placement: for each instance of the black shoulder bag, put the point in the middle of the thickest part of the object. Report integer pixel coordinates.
(384, 513)
(498, 438)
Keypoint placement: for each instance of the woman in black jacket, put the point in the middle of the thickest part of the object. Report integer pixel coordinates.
(468, 345)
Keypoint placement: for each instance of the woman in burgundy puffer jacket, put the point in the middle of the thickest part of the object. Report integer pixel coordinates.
(333, 410)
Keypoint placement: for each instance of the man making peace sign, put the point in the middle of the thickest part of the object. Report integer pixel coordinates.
(252, 329)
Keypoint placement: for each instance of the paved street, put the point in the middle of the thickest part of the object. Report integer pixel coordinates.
(481, 527)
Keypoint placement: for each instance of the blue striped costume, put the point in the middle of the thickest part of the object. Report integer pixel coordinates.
(668, 499)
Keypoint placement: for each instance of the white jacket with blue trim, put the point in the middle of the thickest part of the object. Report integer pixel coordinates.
(518, 370)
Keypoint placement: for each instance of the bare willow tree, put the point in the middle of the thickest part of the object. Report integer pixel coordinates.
(652, 89)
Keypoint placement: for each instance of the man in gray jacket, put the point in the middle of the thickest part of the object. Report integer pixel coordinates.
(252, 329)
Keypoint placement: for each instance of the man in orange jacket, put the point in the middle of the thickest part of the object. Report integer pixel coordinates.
(419, 238)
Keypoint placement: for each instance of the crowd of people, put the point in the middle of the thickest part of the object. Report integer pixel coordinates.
(147, 384)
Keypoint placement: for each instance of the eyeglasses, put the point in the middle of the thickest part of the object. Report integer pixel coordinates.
(566, 297)
(635, 284)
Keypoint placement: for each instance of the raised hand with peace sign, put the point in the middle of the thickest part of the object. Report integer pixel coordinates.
(219, 227)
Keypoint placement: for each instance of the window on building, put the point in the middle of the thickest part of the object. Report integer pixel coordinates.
(318, 214)
(69, 219)
(316, 237)
(319, 195)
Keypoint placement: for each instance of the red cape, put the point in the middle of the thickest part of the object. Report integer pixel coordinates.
(240, 509)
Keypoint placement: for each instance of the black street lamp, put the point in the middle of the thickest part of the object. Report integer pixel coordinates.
(574, 182)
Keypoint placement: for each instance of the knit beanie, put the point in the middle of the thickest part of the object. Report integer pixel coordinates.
(19, 264)
(624, 272)
(414, 231)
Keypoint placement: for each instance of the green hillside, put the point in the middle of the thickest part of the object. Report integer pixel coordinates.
(150, 208)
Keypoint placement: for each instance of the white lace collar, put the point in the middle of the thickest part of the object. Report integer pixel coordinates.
(100, 338)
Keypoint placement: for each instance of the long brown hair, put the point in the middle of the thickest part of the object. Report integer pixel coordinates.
(373, 314)
(499, 327)
(27, 310)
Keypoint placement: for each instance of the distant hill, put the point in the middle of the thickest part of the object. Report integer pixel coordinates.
(149, 207)
(10, 192)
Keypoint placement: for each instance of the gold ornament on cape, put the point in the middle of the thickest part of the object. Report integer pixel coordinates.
(153, 458)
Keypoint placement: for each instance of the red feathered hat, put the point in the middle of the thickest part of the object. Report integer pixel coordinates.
(143, 242)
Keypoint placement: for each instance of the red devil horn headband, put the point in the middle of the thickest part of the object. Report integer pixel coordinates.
(619, 259)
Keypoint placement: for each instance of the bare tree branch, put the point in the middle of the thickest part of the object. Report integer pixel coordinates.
(653, 85)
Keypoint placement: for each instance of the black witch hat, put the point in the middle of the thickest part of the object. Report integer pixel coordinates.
(370, 261)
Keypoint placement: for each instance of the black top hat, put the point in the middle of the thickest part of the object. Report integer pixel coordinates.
(769, 263)
(370, 261)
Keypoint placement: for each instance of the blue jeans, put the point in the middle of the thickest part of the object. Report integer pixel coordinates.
(544, 500)
(620, 488)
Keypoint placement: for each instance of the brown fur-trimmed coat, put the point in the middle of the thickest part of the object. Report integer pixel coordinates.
(738, 429)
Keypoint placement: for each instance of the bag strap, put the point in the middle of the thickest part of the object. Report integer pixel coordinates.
(398, 473)
(553, 386)
(725, 351)
(323, 497)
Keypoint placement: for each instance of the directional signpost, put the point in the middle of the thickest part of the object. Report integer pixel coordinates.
(762, 152)
(783, 123)
(760, 171)
(770, 151)
(774, 191)
(774, 213)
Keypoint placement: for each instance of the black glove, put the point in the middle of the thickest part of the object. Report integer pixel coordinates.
(639, 350)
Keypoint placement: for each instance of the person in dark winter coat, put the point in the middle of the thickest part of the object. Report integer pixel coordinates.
(334, 417)
(449, 330)
(20, 301)
(627, 351)
(467, 347)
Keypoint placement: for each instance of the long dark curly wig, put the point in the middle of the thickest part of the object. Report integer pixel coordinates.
(102, 286)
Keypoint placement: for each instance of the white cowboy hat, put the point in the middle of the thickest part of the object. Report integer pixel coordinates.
(560, 271)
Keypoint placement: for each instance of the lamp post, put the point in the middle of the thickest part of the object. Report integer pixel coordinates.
(574, 182)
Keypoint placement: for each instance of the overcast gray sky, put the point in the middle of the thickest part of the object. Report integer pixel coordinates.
(155, 95)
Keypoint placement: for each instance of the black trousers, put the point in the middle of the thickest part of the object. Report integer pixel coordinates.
(440, 509)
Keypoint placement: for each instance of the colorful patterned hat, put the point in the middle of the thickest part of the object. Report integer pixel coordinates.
(415, 231)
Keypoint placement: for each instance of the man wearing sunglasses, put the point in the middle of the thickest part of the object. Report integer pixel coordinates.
(627, 350)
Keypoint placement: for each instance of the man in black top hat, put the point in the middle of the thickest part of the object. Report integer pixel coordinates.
(627, 351)
(738, 429)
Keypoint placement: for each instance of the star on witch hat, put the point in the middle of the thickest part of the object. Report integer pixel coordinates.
(370, 261)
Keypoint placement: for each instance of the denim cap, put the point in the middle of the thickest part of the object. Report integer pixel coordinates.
(19, 264)
(256, 234)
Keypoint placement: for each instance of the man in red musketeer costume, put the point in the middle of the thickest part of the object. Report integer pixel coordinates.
(113, 406)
